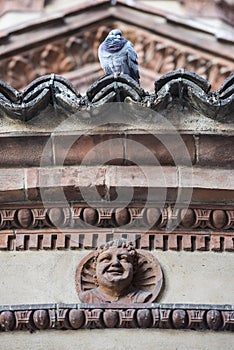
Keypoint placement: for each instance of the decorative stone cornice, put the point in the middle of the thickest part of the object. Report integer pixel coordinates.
(84, 316)
(81, 216)
(184, 88)
(80, 227)
(51, 239)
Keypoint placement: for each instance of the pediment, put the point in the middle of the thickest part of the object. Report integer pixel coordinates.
(66, 44)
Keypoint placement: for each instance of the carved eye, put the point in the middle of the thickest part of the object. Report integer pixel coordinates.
(124, 257)
(105, 258)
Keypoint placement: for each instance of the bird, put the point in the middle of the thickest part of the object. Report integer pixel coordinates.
(118, 56)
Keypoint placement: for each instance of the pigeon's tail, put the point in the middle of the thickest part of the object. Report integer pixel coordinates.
(136, 77)
(137, 80)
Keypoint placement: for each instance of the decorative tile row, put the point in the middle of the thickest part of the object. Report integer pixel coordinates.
(166, 218)
(82, 239)
(83, 316)
(191, 89)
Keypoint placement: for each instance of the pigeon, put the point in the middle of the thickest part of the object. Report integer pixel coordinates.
(117, 55)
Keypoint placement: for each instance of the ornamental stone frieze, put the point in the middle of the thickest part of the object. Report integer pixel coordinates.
(34, 318)
(78, 239)
(56, 166)
(83, 217)
(78, 227)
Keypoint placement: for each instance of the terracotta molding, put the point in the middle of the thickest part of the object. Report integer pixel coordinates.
(84, 316)
(65, 239)
(73, 216)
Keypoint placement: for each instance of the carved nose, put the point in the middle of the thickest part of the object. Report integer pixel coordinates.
(115, 262)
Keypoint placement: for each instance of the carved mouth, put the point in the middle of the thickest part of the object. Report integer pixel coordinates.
(115, 271)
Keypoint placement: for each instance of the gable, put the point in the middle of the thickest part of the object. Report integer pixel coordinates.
(66, 44)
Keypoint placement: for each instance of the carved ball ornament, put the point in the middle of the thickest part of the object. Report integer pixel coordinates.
(117, 272)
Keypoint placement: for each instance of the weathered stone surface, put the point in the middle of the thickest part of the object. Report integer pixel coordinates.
(24, 151)
(90, 183)
(216, 151)
(12, 185)
(12, 179)
(145, 176)
(116, 148)
(89, 149)
(213, 178)
(155, 149)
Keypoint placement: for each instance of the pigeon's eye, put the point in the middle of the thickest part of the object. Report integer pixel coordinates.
(118, 36)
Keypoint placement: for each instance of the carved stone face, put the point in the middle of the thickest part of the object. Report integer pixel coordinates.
(115, 268)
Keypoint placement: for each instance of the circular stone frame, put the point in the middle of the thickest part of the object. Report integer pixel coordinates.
(148, 276)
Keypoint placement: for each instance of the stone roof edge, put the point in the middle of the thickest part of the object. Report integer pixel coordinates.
(180, 85)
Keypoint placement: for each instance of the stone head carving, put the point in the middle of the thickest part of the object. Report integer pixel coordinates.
(117, 272)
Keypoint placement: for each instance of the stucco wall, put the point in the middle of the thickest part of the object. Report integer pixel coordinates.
(49, 277)
(130, 339)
